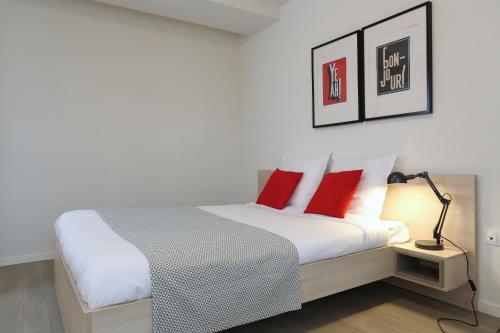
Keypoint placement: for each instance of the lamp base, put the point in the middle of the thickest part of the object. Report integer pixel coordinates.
(432, 245)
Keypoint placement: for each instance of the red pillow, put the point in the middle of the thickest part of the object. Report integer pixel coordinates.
(334, 195)
(279, 188)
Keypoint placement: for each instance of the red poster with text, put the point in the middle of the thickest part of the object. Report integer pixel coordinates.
(334, 82)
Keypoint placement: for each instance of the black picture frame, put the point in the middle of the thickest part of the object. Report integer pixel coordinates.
(428, 58)
(360, 79)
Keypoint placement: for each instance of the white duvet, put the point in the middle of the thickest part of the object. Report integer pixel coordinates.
(109, 270)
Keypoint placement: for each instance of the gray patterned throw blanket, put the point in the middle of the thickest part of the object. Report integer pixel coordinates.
(209, 273)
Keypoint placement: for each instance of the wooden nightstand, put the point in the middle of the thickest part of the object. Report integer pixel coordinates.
(443, 270)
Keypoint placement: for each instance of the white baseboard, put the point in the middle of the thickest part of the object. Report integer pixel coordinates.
(489, 308)
(26, 258)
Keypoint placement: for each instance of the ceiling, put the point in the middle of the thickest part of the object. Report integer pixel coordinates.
(240, 16)
(277, 2)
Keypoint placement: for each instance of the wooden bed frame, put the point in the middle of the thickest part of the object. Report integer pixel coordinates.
(318, 279)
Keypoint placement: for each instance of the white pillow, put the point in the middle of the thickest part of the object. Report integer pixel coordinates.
(370, 195)
(313, 168)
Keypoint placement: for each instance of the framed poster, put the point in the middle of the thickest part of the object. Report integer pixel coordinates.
(398, 64)
(336, 68)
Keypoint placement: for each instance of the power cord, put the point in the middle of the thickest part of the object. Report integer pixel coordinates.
(472, 287)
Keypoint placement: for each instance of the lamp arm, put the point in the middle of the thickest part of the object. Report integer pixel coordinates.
(446, 203)
(425, 175)
(439, 225)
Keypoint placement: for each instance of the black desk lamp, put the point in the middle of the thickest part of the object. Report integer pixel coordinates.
(437, 244)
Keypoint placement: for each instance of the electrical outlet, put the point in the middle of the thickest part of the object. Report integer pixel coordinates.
(492, 237)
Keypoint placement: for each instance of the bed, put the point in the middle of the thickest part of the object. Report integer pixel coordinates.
(94, 253)
(333, 257)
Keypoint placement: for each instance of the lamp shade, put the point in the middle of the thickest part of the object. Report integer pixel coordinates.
(396, 178)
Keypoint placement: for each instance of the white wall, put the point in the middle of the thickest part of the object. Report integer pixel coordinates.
(460, 137)
(101, 106)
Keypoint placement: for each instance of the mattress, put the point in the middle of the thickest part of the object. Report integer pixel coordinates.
(109, 270)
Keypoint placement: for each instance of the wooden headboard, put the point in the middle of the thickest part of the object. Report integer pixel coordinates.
(416, 205)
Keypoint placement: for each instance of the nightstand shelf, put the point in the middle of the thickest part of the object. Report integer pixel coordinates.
(443, 270)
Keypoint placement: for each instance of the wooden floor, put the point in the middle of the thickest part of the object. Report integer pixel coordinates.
(28, 304)
(27, 299)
